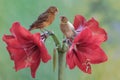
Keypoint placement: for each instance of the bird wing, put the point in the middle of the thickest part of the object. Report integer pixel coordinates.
(71, 27)
(43, 17)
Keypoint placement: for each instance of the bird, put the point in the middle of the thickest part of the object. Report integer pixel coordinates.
(67, 28)
(45, 19)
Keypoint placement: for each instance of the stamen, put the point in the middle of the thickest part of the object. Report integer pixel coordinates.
(28, 61)
(45, 35)
(87, 63)
(29, 48)
(68, 42)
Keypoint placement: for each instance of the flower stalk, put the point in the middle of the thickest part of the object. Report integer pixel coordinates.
(61, 66)
(61, 52)
(28, 50)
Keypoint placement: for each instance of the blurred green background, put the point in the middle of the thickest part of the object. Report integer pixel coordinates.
(107, 12)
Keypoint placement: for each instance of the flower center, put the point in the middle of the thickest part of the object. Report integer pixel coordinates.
(28, 61)
(29, 48)
(87, 64)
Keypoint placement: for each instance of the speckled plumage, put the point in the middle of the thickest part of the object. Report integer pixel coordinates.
(45, 19)
(67, 28)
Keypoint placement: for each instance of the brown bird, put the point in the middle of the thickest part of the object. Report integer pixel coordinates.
(67, 28)
(45, 19)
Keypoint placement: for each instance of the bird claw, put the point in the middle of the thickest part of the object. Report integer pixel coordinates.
(50, 32)
(67, 41)
(64, 41)
(46, 34)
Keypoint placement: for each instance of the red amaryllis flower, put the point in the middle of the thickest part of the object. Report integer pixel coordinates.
(25, 49)
(85, 48)
(99, 33)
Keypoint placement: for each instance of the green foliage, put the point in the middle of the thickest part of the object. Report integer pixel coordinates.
(26, 11)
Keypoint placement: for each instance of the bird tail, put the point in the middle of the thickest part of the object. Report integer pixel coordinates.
(31, 27)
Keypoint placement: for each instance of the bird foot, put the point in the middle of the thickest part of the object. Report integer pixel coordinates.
(67, 41)
(50, 32)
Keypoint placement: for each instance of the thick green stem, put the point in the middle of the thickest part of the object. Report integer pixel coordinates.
(57, 43)
(61, 66)
(61, 51)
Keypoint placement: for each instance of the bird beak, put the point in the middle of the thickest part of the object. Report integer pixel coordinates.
(56, 11)
(61, 17)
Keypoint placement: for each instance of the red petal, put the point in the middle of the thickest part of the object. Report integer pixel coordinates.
(44, 54)
(36, 62)
(17, 53)
(82, 63)
(74, 58)
(70, 59)
(43, 51)
(28, 50)
(95, 54)
(83, 36)
(19, 56)
(37, 40)
(78, 20)
(34, 68)
(22, 60)
(98, 32)
(11, 41)
(20, 33)
(10, 53)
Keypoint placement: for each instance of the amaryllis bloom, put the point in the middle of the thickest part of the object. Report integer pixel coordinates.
(99, 33)
(85, 49)
(26, 49)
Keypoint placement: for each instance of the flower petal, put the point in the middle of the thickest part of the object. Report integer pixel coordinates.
(20, 33)
(98, 32)
(74, 58)
(44, 54)
(95, 54)
(35, 64)
(37, 39)
(22, 60)
(83, 36)
(81, 62)
(78, 20)
(25, 49)
(18, 55)
(43, 51)
(82, 65)
(70, 59)
(11, 41)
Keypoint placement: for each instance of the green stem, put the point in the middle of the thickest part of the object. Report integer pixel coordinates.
(61, 51)
(61, 66)
(57, 43)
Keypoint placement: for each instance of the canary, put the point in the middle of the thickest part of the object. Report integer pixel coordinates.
(45, 19)
(67, 28)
